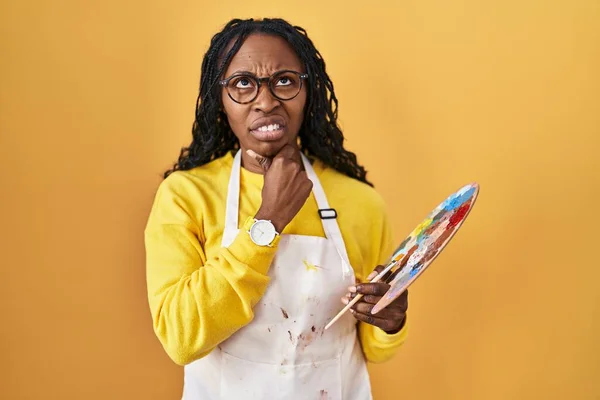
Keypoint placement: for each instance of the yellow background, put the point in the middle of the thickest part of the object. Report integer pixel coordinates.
(97, 98)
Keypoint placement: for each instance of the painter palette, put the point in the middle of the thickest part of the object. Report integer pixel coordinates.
(426, 242)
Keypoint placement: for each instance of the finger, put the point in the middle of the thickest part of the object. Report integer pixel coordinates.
(376, 289)
(378, 269)
(289, 152)
(385, 324)
(365, 308)
(371, 299)
(394, 311)
(264, 162)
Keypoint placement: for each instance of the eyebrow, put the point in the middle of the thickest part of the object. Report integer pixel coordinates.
(243, 71)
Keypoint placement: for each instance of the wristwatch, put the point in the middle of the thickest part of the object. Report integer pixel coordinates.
(262, 232)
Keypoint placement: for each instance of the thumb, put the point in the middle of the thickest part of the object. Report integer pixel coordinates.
(263, 161)
(378, 269)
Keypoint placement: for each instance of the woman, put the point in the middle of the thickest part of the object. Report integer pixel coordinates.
(259, 234)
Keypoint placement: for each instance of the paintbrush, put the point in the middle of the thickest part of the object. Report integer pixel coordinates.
(359, 296)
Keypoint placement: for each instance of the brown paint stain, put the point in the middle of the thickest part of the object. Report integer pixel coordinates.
(314, 299)
(313, 328)
(285, 314)
(305, 340)
(269, 329)
(291, 338)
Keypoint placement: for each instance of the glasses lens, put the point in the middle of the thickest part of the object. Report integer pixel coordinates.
(286, 85)
(242, 88)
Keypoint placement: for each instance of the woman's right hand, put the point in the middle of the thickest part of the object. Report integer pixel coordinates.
(286, 186)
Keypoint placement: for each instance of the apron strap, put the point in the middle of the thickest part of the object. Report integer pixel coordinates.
(328, 215)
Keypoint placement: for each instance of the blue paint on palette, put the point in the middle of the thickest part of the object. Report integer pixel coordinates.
(456, 201)
(426, 241)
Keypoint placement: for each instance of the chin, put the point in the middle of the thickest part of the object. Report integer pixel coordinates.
(269, 149)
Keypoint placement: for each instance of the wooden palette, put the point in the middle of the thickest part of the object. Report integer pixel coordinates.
(426, 241)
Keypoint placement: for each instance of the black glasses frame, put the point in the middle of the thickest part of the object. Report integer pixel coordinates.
(259, 82)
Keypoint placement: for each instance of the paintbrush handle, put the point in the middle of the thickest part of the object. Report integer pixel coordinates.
(359, 296)
(348, 306)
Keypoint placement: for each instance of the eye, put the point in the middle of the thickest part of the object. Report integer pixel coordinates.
(284, 81)
(243, 82)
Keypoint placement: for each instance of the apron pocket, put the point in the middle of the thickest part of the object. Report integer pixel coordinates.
(314, 381)
(248, 380)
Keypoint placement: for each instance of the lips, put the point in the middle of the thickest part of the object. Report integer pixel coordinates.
(266, 121)
(268, 128)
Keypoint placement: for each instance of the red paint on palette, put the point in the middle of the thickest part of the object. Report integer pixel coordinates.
(426, 242)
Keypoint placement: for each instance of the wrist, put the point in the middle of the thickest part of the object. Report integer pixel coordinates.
(277, 222)
(394, 331)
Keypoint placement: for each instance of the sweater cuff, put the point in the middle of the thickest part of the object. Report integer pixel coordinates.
(257, 257)
(387, 339)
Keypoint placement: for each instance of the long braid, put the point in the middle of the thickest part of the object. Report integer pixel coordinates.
(320, 135)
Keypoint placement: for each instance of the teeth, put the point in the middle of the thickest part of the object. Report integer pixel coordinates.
(269, 128)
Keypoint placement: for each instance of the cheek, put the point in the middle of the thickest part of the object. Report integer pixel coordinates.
(297, 109)
(235, 114)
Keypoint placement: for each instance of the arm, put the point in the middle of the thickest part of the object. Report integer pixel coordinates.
(380, 346)
(195, 302)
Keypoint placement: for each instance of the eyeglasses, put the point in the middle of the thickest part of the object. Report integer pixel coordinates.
(243, 87)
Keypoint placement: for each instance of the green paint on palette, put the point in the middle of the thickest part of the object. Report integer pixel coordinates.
(432, 236)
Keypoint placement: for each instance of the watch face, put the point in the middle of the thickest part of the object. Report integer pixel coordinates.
(262, 233)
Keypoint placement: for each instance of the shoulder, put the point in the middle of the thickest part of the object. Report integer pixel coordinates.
(340, 186)
(191, 193)
(362, 216)
(184, 183)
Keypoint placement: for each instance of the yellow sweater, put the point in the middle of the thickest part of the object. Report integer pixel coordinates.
(200, 293)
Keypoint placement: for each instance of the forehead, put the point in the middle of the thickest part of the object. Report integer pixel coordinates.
(264, 54)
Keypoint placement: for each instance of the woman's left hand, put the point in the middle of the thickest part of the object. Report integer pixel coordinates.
(391, 319)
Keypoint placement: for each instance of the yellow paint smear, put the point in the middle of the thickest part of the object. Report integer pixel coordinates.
(422, 226)
(309, 266)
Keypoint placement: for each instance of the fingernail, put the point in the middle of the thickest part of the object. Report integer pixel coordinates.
(372, 275)
(352, 289)
(345, 300)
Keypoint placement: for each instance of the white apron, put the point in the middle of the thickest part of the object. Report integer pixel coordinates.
(284, 352)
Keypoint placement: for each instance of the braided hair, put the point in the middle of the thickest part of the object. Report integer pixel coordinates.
(320, 135)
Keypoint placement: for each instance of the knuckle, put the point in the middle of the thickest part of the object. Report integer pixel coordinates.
(364, 288)
(371, 299)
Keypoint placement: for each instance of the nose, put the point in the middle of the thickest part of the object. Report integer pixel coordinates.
(265, 101)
